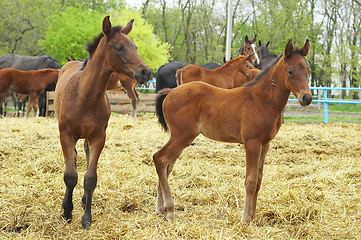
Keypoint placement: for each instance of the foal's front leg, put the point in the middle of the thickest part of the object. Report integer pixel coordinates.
(70, 174)
(253, 151)
(90, 178)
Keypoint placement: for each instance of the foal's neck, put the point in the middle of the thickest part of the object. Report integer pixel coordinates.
(96, 74)
(272, 87)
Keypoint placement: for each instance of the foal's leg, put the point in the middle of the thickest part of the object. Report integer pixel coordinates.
(90, 178)
(260, 175)
(31, 104)
(253, 151)
(86, 150)
(134, 98)
(164, 161)
(70, 174)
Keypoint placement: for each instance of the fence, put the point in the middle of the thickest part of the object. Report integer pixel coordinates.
(325, 100)
(120, 101)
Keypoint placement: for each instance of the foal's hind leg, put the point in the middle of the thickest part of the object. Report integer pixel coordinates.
(90, 178)
(70, 174)
(164, 161)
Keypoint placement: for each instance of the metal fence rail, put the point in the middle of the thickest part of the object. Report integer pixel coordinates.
(325, 100)
(150, 85)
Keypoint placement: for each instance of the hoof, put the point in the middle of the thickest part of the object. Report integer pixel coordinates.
(86, 222)
(67, 217)
(170, 216)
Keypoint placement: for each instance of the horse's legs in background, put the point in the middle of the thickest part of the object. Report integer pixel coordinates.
(33, 104)
(252, 181)
(86, 150)
(70, 174)
(164, 161)
(90, 178)
(134, 97)
(2, 96)
(5, 106)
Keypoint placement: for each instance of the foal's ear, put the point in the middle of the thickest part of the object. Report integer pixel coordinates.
(128, 28)
(259, 43)
(305, 49)
(267, 44)
(289, 49)
(255, 38)
(107, 26)
(246, 38)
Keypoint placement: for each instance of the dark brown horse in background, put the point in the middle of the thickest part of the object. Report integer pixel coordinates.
(223, 77)
(83, 110)
(251, 115)
(30, 83)
(120, 81)
(249, 49)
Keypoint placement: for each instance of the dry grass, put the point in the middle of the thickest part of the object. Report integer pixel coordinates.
(311, 188)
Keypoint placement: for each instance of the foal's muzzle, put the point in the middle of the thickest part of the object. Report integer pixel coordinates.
(305, 99)
(143, 75)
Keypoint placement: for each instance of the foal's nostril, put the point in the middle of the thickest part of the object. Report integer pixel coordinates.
(306, 99)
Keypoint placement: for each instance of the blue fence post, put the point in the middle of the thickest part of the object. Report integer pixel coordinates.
(325, 106)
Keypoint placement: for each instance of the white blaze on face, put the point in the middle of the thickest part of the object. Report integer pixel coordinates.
(255, 53)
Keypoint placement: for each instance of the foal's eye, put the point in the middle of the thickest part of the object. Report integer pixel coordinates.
(119, 48)
(290, 72)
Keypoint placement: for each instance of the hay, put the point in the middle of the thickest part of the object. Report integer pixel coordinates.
(311, 188)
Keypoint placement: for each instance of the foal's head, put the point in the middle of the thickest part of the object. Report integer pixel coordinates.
(249, 49)
(121, 52)
(297, 71)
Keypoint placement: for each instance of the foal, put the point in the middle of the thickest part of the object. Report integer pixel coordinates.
(223, 77)
(251, 115)
(82, 107)
(30, 83)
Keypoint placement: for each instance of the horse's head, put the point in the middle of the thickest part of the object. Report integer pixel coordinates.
(245, 66)
(263, 49)
(296, 69)
(249, 49)
(122, 53)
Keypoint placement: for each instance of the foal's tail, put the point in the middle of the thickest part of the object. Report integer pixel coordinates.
(159, 106)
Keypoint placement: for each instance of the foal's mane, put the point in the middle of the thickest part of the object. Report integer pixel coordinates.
(230, 61)
(259, 76)
(92, 46)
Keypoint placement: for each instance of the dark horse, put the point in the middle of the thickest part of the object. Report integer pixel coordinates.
(166, 75)
(82, 106)
(26, 63)
(265, 57)
(250, 115)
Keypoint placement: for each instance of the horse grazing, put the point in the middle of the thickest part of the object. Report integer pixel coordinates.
(166, 75)
(82, 106)
(265, 57)
(250, 115)
(121, 81)
(30, 83)
(249, 49)
(223, 77)
(26, 63)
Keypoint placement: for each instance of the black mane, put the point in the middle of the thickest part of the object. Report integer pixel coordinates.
(265, 70)
(92, 46)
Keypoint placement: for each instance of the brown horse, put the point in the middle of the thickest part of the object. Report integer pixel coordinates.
(30, 83)
(82, 107)
(250, 115)
(121, 81)
(249, 49)
(220, 77)
(241, 79)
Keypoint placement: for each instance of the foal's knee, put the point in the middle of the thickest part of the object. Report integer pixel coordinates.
(70, 179)
(90, 182)
(251, 186)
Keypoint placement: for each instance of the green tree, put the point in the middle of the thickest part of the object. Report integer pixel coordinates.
(154, 52)
(68, 33)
